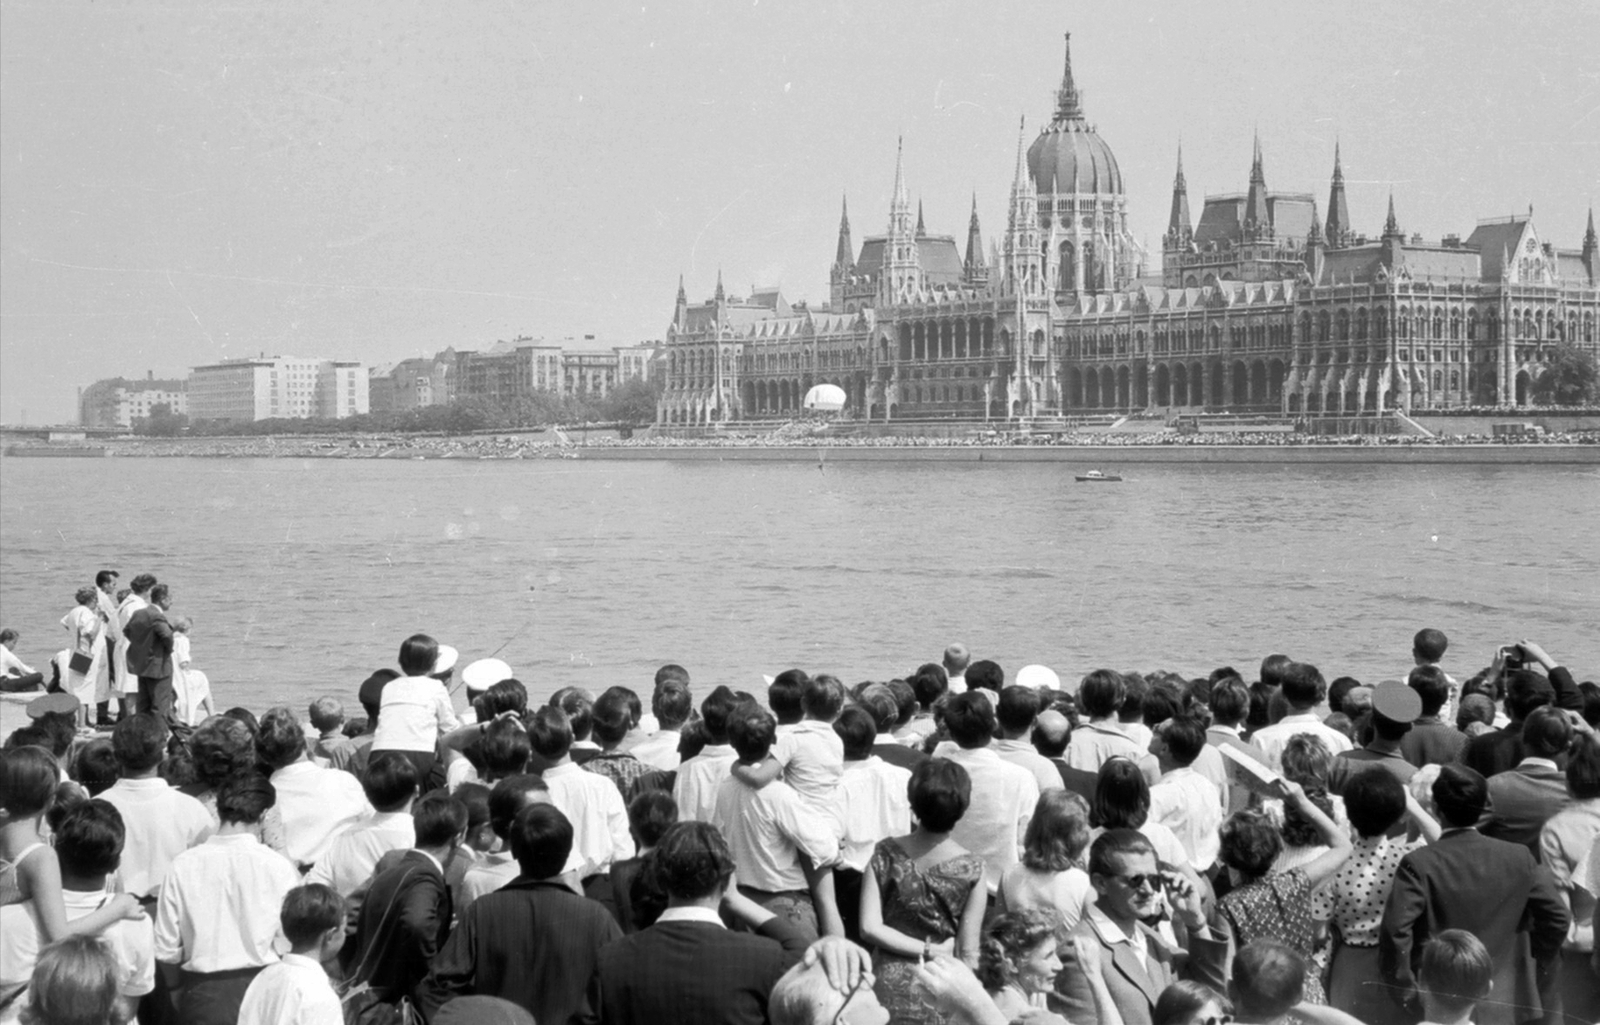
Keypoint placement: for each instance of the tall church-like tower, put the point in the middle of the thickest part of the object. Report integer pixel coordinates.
(902, 269)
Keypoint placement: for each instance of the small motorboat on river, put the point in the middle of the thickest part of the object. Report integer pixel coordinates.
(1096, 475)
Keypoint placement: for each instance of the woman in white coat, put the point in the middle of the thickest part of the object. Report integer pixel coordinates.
(87, 632)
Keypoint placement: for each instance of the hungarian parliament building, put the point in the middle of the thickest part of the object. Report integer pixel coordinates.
(1267, 303)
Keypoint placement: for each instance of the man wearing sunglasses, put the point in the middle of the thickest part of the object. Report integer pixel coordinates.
(1136, 964)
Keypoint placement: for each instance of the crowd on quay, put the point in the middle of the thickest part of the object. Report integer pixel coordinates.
(946, 846)
(1090, 438)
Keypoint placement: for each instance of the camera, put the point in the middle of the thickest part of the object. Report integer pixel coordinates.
(1511, 657)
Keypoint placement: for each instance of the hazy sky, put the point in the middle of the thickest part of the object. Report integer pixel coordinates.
(347, 179)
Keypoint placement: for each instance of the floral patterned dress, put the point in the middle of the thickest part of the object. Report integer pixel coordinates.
(922, 903)
(1278, 908)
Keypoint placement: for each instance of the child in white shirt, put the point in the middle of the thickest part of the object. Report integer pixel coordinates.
(191, 688)
(296, 990)
(808, 755)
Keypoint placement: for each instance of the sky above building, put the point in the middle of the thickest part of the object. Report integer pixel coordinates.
(361, 180)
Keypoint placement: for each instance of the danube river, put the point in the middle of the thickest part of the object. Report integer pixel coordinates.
(302, 576)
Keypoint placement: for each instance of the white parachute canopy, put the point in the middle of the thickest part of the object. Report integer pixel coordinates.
(829, 398)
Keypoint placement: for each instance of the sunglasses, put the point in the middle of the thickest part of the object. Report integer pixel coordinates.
(1225, 1019)
(1151, 880)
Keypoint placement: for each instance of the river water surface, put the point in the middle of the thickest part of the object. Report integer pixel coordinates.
(303, 576)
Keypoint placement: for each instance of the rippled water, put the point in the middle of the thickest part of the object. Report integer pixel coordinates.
(303, 576)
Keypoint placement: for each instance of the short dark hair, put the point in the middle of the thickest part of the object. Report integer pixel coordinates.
(1101, 693)
(1268, 979)
(928, 686)
(550, 733)
(673, 672)
(692, 861)
(1583, 767)
(1547, 732)
(1431, 685)
(879, 702)
(1374, 800)
(714, 712)
(142, 583)
(8, 636)
(390, 780)
(159, 594)
(244, 797)
(140, 741)
(751, 731)
(822, 697)
(1185, 739)
(509, 695)
(1525, 691)
(1121, 796)
(784, 695)
(1272, 668)
(1455, 969)
(541, 840)
(905, 701)
(857, 730)
(1338, 689)
(505, 748)
(970, 719)
(1018, 708)
(940, 792)
(475, 798)
(88, 839)
(220, 747)
(651, 813)
(1057, 833)
(439, 818)
(1298, 828)
(579, 706)
(105, 577)
(1134, 690)
(95, 766)
(509, 796)
(1460, 794)
(1303, 685)
(1230, 701)
(1116, 843)
(985, 675)
(612, 717)
(1429, 644)
(1250, 843)
(418, 653)
(309, 911)
(1159, 705)
(672, 703)
(282, 740)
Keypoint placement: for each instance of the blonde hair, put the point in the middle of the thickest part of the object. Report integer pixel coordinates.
(74, 983)
(182, 624)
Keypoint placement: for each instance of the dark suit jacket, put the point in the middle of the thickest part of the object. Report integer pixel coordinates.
(1432, 742)
(1492, 889)
(1080, 781)
(1134, 989)
(896, 753)
(692, 972)
(149, 643)
(1521, 801)
(534, 943)
(1494, 753)
(404, 920)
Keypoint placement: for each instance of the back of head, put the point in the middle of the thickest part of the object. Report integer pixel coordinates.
(650, 814)
(390, 781)
(282, 740)
(1134, 689)
(1583, 767)
(309, 911)
(905, 701)
(439, 819)
(1121, 796)
(1112, 846)
(159, 595)
(1429, 645)
(509, 796)
(75, 982)
(1185, 738)
(1374, 801)
(879, 701)
(785, 695)
(858, 731)
(1182, 1001)
(986, 675)
(1546, 733)
(1272, 668)
(88, 839)
(956, 659)
(1268, 980)
(612, 718)
(1057, 833)
(970, 719)
(244, 798)
(502, 696)
(578, 704)
(1250, 843)
(1017, 709)
(1460, 795)
(1303, 685)
(1431, 686)
(1051, 733)
(221, 746)
(1101, 693)
(1525, 691)
(940, 792)
(1159, 705)
(822, 697)
(751, 731)
(714, 712)
(550, 733)
(1230, 701)
(28, 778)
(692, 861)
(140, 742)
(326, 713)
(1455, 971)
(928, 686)
(672, 703)
(804, 996)
(1307, 759)
(1339, 689)
(541, 840)
(418, 653)
(96, 765)
(671, 673)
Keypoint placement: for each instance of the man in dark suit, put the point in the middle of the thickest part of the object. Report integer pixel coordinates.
(1501, 750)
(1128, 885)
(688, 966)
(1524, 798)
(405, 914)
(1051, 731)
(1492, 889)
(150, 654)
(533, 942)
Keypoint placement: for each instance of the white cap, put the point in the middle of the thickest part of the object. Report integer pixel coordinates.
(446, 660)
(479, 676)
(1038, 677)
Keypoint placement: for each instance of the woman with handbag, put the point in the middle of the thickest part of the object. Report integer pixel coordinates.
(87, 674)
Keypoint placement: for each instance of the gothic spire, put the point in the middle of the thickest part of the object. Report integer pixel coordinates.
(844, 255)
(1391, 226)
(1256, 216)
(1338, 227)
(683, 296)
(899, 174)
(921, 230)
(720, 295)
(1178, 224)
(1591, 242)
(974, 238)
(1069, 105)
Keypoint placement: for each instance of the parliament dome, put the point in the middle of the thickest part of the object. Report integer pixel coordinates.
(1069, 157)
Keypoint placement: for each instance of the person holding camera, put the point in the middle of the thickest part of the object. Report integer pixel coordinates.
(1526, 690)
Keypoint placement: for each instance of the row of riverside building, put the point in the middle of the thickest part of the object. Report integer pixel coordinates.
(292, 387)
(1262, 305)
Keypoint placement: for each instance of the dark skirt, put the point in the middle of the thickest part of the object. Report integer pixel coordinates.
(1356, 987)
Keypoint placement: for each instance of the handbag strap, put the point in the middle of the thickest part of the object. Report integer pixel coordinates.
(357, 975)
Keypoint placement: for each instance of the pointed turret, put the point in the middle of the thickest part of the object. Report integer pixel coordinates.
(844, 253)
(1179, 230)
(902, 268)
(921, 230)
(680, 310)
(974, 268)
(1591, 250)
(720, 296)
(1315, 246)
(1023, 271)
(1338, 227)
(1069, 104)
(1391, 224)
(1257, 219)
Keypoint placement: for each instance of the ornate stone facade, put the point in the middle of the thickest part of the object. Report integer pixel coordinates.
(1260, 306)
